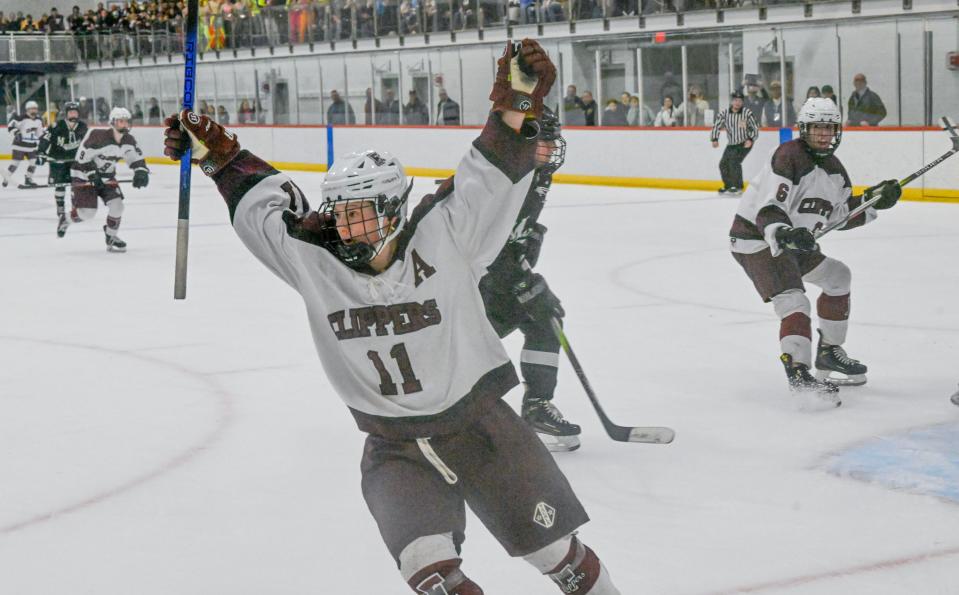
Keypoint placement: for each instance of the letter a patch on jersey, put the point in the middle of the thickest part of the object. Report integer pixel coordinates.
(545, 515)
(421, 269)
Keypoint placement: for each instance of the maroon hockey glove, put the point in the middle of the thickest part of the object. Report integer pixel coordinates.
(314, 228)
(524, 75)
(213, 146)
(799, 239)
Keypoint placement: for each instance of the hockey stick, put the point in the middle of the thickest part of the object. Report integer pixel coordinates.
(953, 135)
(183, 218)
(39, 186)
(645, 434)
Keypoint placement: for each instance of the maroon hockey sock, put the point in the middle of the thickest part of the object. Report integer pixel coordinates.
(796, 323)
(443, 578)
(833, 307)
(113, 224)
(74, 216)
(578, 571)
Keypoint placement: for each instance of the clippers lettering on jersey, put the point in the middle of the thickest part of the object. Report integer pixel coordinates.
(400, 318)
(816, 205)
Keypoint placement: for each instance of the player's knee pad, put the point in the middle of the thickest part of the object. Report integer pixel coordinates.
(84, 213)
(573, 567)
(430, 566)
(832, 276)
(791, 301)
(115, 207)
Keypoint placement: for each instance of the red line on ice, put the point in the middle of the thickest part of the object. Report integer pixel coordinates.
(839, 573)
(224, 420)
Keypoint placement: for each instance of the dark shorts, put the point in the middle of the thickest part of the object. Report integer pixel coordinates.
(772, 276)
(503, 471)
(85, 194)
(59, 173)
(20, 155)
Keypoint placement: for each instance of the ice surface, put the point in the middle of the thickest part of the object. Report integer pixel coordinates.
(156, 447)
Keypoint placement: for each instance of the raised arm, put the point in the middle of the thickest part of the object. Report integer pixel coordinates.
(256, 194)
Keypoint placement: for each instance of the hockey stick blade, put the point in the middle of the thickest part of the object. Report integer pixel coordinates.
(639, 434)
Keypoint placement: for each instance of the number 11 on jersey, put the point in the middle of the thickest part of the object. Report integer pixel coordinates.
(387, 387)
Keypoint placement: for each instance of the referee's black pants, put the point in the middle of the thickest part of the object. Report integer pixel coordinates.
(731, 165)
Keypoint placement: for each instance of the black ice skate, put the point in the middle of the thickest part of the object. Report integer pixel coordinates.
(114, 243)
(28, 184)
(552, 428)
(62, 225)
(800, 380)
(834, 365)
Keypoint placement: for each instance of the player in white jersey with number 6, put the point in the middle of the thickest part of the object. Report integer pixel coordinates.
(400, 327)
(803, 188)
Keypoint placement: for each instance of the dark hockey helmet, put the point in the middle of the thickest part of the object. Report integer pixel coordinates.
(373, 179)
(551, 146)
(71, 106)
(818, 111)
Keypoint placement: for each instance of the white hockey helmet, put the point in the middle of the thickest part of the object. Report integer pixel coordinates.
(30, 105)
(120, 113)
(376, 177)
(820, 110)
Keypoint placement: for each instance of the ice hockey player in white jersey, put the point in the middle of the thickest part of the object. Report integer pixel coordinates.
(801, 189)
(400, 328)
(94, 174)
(26, 128)
(58, 146)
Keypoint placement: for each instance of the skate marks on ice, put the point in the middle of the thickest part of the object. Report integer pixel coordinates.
(224, 415)
(922, 461)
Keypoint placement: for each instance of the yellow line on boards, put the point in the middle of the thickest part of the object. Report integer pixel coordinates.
(945, 195)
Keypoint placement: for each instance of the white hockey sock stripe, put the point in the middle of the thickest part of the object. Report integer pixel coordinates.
(540, 358)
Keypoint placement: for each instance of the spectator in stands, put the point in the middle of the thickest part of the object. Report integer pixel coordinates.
(244, 114)
(415, 112)
(339, 112)
(373, 108)
(447, 110)
(589, 109)
(391, 108)
(614, 114)
(28, 26)
(692, 112)
(137, 115)
(754, 96)
(865, 106)
(667, 114)
(153, 111)
(812, 92)
(409, 19)
(54, 22)
(222, 116)
(75, 20)
(573, 107)
(638, 115)
(624, 100)
(772, 109)
(828, 93)
(670, 87)
(552, 11)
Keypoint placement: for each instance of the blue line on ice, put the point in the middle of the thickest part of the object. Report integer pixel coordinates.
(923, 461)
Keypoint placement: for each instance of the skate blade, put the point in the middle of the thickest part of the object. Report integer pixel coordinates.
(840, 379)
(814, 400)
(115, 249)
(559, 443)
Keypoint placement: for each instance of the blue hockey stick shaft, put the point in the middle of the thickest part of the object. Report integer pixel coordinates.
(189, 88)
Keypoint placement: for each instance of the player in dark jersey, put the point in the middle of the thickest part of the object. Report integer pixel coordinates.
(399, 324)
(803, 188)
(26, 128)
(94, 174)
(518, 298)
(58, 146)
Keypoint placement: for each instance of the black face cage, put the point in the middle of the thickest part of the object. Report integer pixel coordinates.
(358, 253)
(551, 154)
(836, 138)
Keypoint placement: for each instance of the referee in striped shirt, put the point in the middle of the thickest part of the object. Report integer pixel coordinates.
(741, 128)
